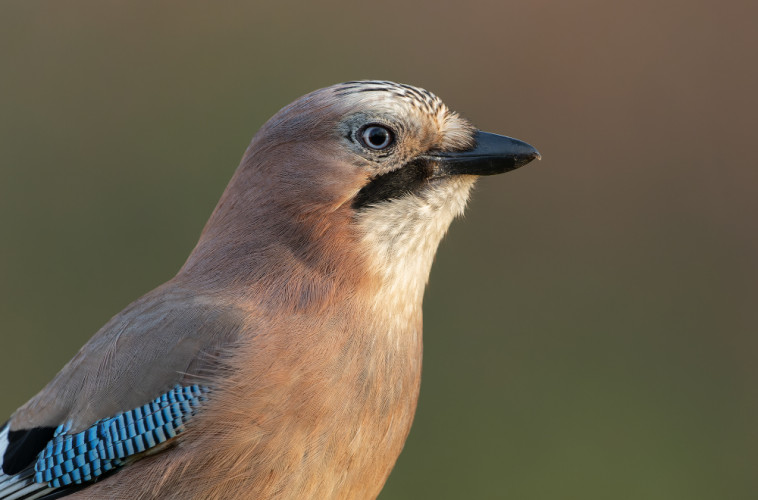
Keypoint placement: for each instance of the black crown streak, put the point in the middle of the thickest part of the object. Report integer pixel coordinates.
(23, 447)
(395, 184)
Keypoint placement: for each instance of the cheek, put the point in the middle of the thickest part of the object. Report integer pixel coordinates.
(339, 183)
(406, 150)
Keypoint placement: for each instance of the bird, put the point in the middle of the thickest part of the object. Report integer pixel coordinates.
(283, 360)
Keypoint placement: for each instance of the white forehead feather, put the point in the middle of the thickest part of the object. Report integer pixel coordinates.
(391, 92)
(403, 99)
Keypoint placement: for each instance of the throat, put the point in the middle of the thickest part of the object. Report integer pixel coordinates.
(401, 235)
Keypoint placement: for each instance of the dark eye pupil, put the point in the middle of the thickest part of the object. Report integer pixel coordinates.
(377, 137)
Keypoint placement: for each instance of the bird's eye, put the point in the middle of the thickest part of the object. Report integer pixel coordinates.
(376, 137)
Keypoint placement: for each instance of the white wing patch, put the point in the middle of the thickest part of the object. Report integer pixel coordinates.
(3, 442)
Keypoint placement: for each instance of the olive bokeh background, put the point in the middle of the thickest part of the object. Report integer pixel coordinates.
(591, 325)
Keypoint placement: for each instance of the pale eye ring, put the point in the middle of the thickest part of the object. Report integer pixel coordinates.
(376, 137)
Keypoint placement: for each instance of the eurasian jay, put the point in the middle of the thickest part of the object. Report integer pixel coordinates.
(284, 358)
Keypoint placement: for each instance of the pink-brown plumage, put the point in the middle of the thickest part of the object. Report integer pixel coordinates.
(299, 310)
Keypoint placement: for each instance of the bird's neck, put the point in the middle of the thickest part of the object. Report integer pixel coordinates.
(363, 347)
(265, 252)
(401, 237)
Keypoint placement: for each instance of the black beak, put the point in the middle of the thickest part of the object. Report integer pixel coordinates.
(493, 154)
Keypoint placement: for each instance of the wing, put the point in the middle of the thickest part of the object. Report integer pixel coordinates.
(69, 461)
(127, 393)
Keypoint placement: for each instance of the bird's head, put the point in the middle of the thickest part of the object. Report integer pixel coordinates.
(373, 166)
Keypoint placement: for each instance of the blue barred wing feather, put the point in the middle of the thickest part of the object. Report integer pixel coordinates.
(71, 460)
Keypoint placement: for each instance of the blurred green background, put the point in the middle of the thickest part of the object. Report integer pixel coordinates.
(591, 325)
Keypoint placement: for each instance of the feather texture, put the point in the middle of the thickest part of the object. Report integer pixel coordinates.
(112, 442)
(300, 307)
